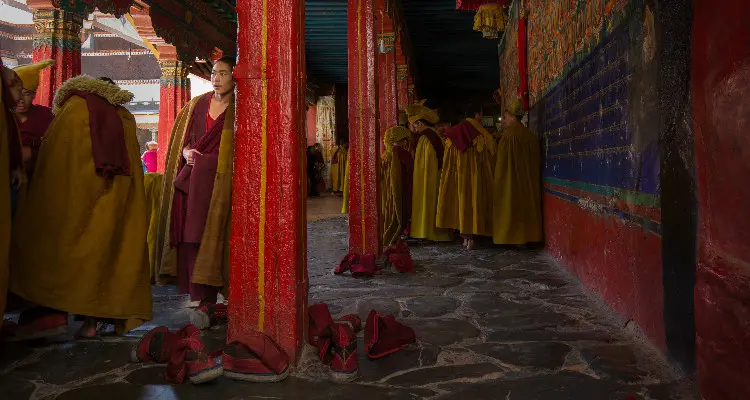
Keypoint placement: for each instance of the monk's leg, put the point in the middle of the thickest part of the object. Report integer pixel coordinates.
(186, 253)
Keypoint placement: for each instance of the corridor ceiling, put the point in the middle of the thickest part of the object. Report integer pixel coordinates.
(454, 64)
(325, 40)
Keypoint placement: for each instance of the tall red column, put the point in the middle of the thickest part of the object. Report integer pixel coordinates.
(401, 86)
(58, 37)
(174, 93)
(364, 201)
(387, 96)
(268, 267)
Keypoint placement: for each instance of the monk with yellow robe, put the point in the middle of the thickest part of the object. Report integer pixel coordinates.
(517, 214)
(398, 172)
(10, 160)
(338, 168)
(465, 199)
(196, 195)
(79, 236)
(428, 163)
(33, 119)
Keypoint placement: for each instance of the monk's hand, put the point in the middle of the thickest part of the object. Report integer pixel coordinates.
(16, 177)
(26, 153)
(189, 155)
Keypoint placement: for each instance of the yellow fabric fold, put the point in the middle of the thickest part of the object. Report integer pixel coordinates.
(425, 195)
(517, 214)
(153, 182)
(79, 242)
(345, 189)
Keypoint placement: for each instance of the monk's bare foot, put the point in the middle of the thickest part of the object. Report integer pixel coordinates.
(88, 329)
(470, 245)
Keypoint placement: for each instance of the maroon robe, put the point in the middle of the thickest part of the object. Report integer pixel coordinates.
(407, 180)
(436, 143)
(194, 186)
(33, 129)
(462, 135)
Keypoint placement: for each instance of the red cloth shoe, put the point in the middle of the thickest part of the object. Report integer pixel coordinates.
(344, 353)
(365, 266)
(40, 322)
(255, 358)
(319, 324)
(208, 315)
(189, 358)
(155, 345)
(384, 335)
(346, 263)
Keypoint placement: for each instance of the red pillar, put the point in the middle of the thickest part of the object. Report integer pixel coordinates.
(58, 37)
(174, 93)
(387, 96)
(364, 226)
(268, 268)
(401, 89)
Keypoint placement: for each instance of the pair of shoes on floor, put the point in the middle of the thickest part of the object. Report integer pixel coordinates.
(207, 315)
(360, 265)
(336, 340)
(399, 256)
(252, 358)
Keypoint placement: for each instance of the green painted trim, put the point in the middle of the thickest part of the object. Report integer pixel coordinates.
(629, 196)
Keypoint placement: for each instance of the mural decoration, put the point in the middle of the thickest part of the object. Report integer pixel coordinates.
(509, 78)
(562, 33)
(326, 125)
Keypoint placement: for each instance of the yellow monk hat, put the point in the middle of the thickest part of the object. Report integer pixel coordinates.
(29, 73)
(394, 135)
(516, 108)
(420, 111)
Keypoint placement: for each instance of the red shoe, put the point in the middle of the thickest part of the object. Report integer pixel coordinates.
(208, 315)
(402, 262)
(384, 335)
(39, 323)
(344, 353)
(346, 263)
(255, 358)
(365, 266)
(319, 323)
(155, 345)
(189, 358)
(351, 320)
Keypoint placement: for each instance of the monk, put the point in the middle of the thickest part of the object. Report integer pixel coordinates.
(465, 199)
(398, 172)
(196, 196)
(10, 167)
(338, 168)
(517, 213)
(79, 236)
(428, 162)
(33, 120)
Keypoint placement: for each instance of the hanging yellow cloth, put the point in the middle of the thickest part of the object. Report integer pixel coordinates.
(152, 182)
(79, 242)
(517, 215)
(425, 195)
(5, 212)
(345, 189)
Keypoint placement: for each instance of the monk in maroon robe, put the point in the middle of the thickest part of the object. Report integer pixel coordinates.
(195, 206)
(33, 120)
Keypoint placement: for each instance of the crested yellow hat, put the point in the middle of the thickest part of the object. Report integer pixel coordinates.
(516, 108)
(29, 73)
(420, 111)
(394, 135)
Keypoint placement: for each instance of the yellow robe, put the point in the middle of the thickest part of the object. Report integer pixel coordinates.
(153, 184)
(425, 195)
(394, 218)
(79, 242)
(465, 199)
(517, 214)
(5, 216)
(212, 262)
(338, 170)
(345, 189)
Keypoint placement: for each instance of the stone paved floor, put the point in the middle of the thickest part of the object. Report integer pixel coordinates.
(491, 324)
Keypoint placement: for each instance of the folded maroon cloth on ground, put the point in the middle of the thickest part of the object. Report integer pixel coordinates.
(384, 335)
(359, 265)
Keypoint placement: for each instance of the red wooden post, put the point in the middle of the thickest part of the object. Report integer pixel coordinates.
(268, 274)
(364, 200)
(58, 37)
(388, 107)
(174, 93)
